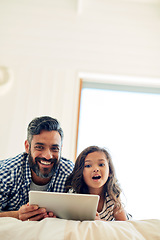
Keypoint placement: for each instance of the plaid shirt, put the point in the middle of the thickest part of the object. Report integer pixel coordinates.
(15, 180)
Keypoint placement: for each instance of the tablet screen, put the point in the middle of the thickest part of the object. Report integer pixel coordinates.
(67, 205)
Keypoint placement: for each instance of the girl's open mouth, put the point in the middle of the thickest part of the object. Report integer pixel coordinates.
(96, 177)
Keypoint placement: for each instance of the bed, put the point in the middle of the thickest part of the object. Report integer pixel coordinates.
(60, 229)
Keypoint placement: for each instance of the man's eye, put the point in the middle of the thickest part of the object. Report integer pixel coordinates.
(38, 147)
(55, 149)
(87, 166)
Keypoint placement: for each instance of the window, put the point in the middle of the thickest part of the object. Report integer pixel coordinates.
(125, 119)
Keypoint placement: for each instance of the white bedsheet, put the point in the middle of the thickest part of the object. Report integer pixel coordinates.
(60, 229)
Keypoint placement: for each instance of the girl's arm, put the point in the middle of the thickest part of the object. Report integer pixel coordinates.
(119, 215)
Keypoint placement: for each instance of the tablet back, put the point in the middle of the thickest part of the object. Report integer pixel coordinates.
(67, 205)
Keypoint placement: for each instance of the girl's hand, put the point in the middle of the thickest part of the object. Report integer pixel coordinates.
(97, 216)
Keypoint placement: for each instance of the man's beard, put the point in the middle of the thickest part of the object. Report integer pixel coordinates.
(36, 169)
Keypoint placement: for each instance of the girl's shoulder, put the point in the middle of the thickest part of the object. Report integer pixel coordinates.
(107, 211)
(109, 200)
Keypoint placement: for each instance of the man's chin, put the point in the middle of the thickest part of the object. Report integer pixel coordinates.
(44, 175)
(41, 174)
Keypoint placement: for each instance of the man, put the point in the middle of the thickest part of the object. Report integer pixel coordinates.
(41, 167)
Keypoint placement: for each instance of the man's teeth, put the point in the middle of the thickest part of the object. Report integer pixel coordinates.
(45, 163)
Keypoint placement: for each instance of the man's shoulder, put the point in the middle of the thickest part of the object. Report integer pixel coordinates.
(66, 161)
(13, 162)
(66, 165)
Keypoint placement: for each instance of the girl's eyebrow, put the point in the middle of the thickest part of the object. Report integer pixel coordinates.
(103, 159)
(87, 160)
(100, 160)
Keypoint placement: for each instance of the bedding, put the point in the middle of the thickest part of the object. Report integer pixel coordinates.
(60, 229)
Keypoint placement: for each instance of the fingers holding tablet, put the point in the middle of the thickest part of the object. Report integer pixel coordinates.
(31, 213)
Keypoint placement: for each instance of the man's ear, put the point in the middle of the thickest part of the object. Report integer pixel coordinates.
(26, 144)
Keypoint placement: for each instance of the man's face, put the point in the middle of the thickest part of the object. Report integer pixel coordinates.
(44, 153)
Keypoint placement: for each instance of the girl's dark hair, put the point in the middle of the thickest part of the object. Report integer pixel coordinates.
(76, 182)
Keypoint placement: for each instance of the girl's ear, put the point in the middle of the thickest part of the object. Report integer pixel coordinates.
(26, 144)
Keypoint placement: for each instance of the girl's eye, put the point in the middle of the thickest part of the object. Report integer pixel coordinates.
(87, 166)
(101, 164)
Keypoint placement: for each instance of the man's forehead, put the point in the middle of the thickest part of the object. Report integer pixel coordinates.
(47, 136)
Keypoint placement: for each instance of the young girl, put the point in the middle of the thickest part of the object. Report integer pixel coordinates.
(94, 173)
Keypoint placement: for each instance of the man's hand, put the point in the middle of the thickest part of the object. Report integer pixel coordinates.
(50, 215)
(32, 213)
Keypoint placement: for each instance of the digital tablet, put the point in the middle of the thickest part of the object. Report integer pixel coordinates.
(68, 206)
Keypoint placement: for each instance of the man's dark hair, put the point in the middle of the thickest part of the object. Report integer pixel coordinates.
(43, 123)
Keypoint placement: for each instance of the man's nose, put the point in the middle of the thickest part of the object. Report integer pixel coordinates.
(47, 154)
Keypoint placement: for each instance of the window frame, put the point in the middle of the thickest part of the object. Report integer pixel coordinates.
(113, 82)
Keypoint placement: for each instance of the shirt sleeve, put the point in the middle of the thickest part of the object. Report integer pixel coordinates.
(4, 189)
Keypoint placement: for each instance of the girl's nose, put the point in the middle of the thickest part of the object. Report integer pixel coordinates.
(96, 170)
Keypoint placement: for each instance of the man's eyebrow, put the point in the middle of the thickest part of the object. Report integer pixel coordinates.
(53, 145)
(39, 143)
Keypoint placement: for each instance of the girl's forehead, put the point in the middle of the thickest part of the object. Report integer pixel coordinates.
(96, 155)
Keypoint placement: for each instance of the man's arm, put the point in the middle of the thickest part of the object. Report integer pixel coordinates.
(13, 214)
(27, 212)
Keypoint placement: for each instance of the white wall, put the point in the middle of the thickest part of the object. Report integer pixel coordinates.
(47, 43)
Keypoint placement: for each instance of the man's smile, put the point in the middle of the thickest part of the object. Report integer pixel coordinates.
(44, 162)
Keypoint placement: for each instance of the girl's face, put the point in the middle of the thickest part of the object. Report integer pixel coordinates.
(96, 172)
